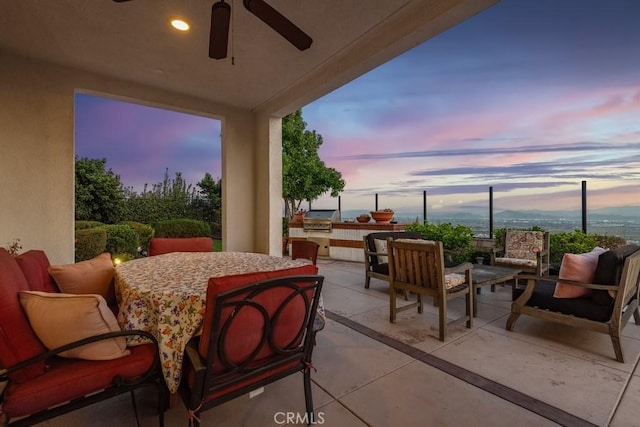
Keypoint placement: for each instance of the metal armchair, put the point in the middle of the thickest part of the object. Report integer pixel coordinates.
(254, 333)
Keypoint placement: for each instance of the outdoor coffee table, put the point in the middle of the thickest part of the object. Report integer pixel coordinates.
(488, 275)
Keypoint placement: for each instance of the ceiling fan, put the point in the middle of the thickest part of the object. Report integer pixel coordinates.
(221, 17)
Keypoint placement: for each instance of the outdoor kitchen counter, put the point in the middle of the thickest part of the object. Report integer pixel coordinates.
(343, 241)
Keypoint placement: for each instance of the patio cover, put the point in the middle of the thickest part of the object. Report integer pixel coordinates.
(51, 50)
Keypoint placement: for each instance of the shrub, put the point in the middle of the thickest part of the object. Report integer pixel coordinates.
(84, 225)
(457, 240)
(610, 242)
(121, 239)
(182, 228)
(144, 231)
(90, 243)
(575, 242)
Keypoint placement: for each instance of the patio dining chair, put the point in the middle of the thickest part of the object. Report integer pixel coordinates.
(255, 332)
(165, 245)
(417, 266)
(305, 249)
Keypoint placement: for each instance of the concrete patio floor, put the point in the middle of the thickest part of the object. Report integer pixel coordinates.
(374, 373)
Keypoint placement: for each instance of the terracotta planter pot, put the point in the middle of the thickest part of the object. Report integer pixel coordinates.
(363, 219)
(298, 217)
(382, 217)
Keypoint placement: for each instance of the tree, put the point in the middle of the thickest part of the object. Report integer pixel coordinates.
(304, 175)
(99, 192)
(211, 189)
(169, 199)
(210, 202)
(173, 198)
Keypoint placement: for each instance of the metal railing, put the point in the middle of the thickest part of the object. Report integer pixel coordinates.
(482, 219)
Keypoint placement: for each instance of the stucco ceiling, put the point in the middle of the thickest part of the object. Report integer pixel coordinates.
(133, 41)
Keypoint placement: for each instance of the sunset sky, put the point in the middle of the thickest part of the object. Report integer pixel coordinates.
(530, 97)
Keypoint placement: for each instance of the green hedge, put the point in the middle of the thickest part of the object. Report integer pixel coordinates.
(90, 243)
(144, 232)
(121, 240)
(182, 228)
(456, 240)
(84, 225)
(575, 242)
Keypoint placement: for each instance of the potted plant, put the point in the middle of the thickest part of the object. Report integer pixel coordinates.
(299, 215)
(382, 216)
(363, 218)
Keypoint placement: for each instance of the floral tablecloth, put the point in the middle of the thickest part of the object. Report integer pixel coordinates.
(165, 295)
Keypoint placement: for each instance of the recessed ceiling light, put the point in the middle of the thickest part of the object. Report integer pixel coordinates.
(179, 24)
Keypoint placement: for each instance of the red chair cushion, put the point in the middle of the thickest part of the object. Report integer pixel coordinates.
(165, 245)
(218, 285)
(67, 379)
(17, 340)
(35, 267)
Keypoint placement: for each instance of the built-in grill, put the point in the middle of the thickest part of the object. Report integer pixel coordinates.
(320, 219)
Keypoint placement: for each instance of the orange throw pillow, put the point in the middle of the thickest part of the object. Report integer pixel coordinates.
(578, 267)
(59, 319)
(93, 276)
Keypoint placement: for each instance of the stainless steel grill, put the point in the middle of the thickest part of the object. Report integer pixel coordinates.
(320, 219)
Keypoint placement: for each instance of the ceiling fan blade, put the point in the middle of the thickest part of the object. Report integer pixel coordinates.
(279, 23)
(120, 1)
(219, 32)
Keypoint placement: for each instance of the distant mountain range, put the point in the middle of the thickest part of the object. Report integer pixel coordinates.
(622, 212)
(609, 213)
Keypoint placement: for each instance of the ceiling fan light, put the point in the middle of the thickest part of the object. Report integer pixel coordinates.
(219, 34)
(179, 24)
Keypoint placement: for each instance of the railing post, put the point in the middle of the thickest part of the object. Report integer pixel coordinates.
(584, 207)
(339, 203)
(424, 206)
(376, 202)
(491, 212)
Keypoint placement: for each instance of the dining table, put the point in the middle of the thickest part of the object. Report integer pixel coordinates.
(166, 295)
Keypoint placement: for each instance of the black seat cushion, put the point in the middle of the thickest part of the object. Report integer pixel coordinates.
(584, 307)
(381, 268)
(611, 263)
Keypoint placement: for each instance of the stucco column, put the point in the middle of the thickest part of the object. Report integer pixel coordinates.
(238, 183)
(268, 184)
